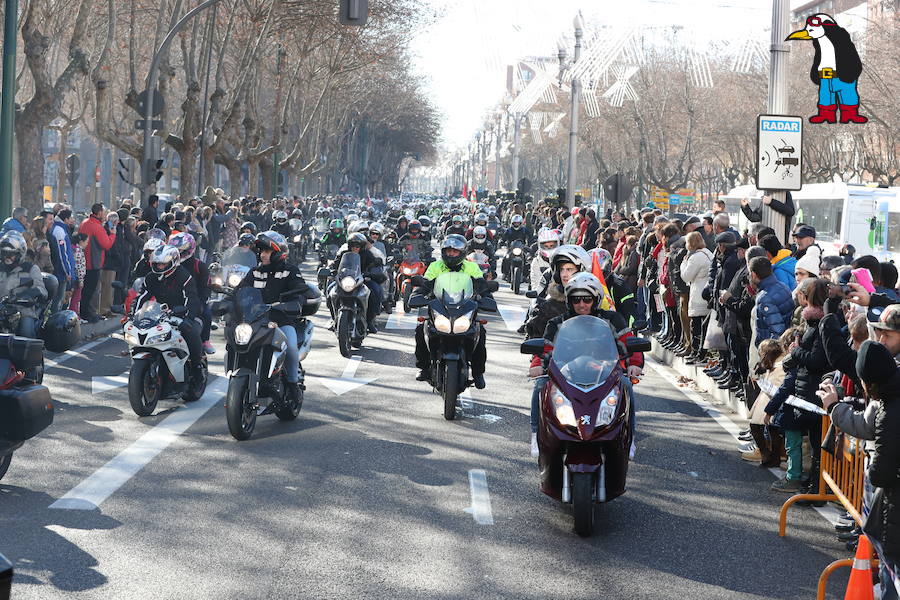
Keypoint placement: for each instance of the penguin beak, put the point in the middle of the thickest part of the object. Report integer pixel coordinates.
(799, 35)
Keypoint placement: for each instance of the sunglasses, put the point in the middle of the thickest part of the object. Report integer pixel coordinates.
(582, 299)
(816, 22)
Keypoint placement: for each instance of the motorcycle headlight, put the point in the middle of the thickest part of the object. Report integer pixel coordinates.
(234, 280)
(158, 338)
(442, 323)
(608, 409)
(348, 283)
(242, 334)
(462, 324)
(562, 408)
(517, 251)
(298, 239)
(217, 280)
(132, 339)
(409, 271)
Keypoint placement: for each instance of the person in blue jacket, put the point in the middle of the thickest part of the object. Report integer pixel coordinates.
(774, 304)
(18, 221)
(783, 264)
(60, 238)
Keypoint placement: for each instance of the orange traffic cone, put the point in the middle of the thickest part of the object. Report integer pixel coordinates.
(860, 585)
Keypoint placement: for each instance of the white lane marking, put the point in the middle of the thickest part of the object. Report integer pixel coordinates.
(93, 491)
(104, 384)
(400, 320)
(347, 382)
(512, 315)
(828, 512)
(481, 498)
(467, 405)
(53, 362)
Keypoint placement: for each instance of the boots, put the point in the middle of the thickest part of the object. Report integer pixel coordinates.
(759, 437)
(776, 449)
(849, 114)
(294, 395)
(827, 114)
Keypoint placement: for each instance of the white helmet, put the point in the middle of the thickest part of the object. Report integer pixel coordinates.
(358, 227)
(548, 241)
(479, 234)
(280, 216)
(573, 254)
(585, 284)
(352, 217)
(151, 245)
(376, 227)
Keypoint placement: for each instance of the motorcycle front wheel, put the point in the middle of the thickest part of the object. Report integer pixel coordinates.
(241, 415)
(450, 389)
(144, 387)
(344, 324)
(196, 389)
(583, 503)
(516, 281)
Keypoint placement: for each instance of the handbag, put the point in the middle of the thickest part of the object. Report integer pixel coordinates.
(715, 337)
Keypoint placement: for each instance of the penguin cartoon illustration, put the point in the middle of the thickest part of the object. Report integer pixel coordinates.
(835, 69)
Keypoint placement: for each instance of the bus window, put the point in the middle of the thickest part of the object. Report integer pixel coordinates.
(825, 215)
(893, 232)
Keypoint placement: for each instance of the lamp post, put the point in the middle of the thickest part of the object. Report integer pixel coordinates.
(499, 118)
(480, 159)
(573, 116)
(8, 107)
(517, 122)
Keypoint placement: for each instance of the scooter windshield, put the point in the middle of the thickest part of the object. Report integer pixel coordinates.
(249, 305)
(148, 315)
(585, 350)
(453, 288)
(350, 266)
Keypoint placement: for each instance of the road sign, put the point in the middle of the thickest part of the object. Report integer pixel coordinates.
(779, 152)
(159, 103)
(154, 124)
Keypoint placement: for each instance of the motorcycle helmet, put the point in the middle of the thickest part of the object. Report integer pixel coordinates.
(604, 259)
(271, 240)
(156, 234)
(481, 219)
(336, 226)
(352, 217)
(247, 240)
(297, 214)
(356, 240)
(479, 234)
(425, 222)
(415, 228)
(569, 253)
(165, 260)
(249, 226)
(12, 245)
(358, 227)
(376, 228)
(457, 220)
(280, 217)
(453, 241)
(516, 221)
(548, 241)
(185, 243)
(151, 245)
(391, 237)
(584, 285)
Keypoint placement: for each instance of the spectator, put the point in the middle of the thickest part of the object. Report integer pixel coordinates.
(64, 255)
(151, 214)
(18, 221)
(99, 241)
(770, 375)
(805, 268)
(774, 305)
(783, 264)
(79, 244)
(805, 236)
(694, 272)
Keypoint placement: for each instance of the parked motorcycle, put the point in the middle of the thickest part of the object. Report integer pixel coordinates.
(59, 331)
(584, 435)
(516, 257)
(255, 354)
(452, 329)
(410, 266)
(26, 408)
(348, 299)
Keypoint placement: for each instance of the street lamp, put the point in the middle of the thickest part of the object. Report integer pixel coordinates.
(578, 23)
(499, 117)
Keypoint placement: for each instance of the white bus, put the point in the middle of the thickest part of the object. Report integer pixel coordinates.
(864, 216)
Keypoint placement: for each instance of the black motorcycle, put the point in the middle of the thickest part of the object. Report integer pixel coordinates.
(348, 299)
(255, 354)
(516, 258)
(298, 242)
(327, 255)
(26, 408)
(452, 330)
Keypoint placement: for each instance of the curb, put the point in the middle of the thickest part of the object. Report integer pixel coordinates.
(704, 382)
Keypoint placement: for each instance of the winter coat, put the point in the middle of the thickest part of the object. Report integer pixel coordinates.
(812, 364)
(552, 307)
(738, 306)
(61, 240)
(783, 267)
(628, 269)
(676, 257)
(694, 272)
(884, 468)
(774, 307)
(727, 269)
(99, 241)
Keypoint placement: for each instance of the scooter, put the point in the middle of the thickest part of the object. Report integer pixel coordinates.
(26, 408)
(348, 299)
(159, 359)
(255, 354)
(584, 435)
(452, 329)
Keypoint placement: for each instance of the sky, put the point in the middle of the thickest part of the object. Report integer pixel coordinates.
(463, 56)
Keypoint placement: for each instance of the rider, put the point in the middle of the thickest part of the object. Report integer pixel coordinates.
(415, 240)
(548, 240)
(281, 224)
(481, 220)
(516, 232)
(480, 243)
(335, 235)
(16, 272)
(453, 259)
(248, 227)
(276, 278)
(456, 226)
(173, 285)
(142, 267)
(372, 269)
(187, 248)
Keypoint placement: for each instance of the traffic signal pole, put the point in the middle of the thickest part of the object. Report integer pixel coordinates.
(778, 101)
(8, 106)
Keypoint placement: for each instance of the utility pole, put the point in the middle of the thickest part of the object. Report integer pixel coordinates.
(8, 106)
(778, 101)
(497, 164)
(573, 119)
(212, 25)
(517, 123)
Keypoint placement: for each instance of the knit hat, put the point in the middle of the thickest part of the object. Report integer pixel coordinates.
(874, 363)
(809, 263)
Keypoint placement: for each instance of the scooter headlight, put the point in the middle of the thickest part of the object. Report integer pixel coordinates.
(348, 283)
(235, 279)
(216, 280)
(608, 409)
(242, 334)
(462, 324)
(442, 323)
(562, 408)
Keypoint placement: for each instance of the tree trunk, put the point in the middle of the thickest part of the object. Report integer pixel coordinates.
(31, 165)
(253, 178)
(267, 172)
(188, 173)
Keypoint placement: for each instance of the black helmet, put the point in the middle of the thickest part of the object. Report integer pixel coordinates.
(356, 240)
(246, 239)
(415, 227)
(270, 240)
(249, 226)
(453, 242)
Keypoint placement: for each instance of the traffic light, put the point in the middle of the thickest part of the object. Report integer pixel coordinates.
(159, 172)
(561, 194)
(73, 164)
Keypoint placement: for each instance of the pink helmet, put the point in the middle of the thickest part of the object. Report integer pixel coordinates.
(548, 241)
(185, 243)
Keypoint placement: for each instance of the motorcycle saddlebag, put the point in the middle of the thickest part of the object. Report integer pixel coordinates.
(25, 353)
(24, 412)
(62, 331)
(311, 306)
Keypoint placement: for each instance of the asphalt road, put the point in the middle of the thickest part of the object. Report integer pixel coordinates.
(369, 494)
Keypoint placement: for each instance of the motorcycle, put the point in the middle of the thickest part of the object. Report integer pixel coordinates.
(298, 241)
(59, 331)
(584, 434)
(326, 256)
(410, 267)
(452, 329)
(516, 257)
(255, 354)
(26, 408)
(484, 263)
(159, 358)
(348, 299)
(228, 274)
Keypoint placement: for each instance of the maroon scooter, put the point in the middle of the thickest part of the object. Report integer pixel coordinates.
(584, 435)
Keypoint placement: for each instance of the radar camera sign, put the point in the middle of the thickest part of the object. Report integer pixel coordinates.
(779, 143)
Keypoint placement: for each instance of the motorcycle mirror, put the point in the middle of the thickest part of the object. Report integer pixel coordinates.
(533, 346)
(324, 272)
(637, 344)
(531, 294)
(418, 301)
